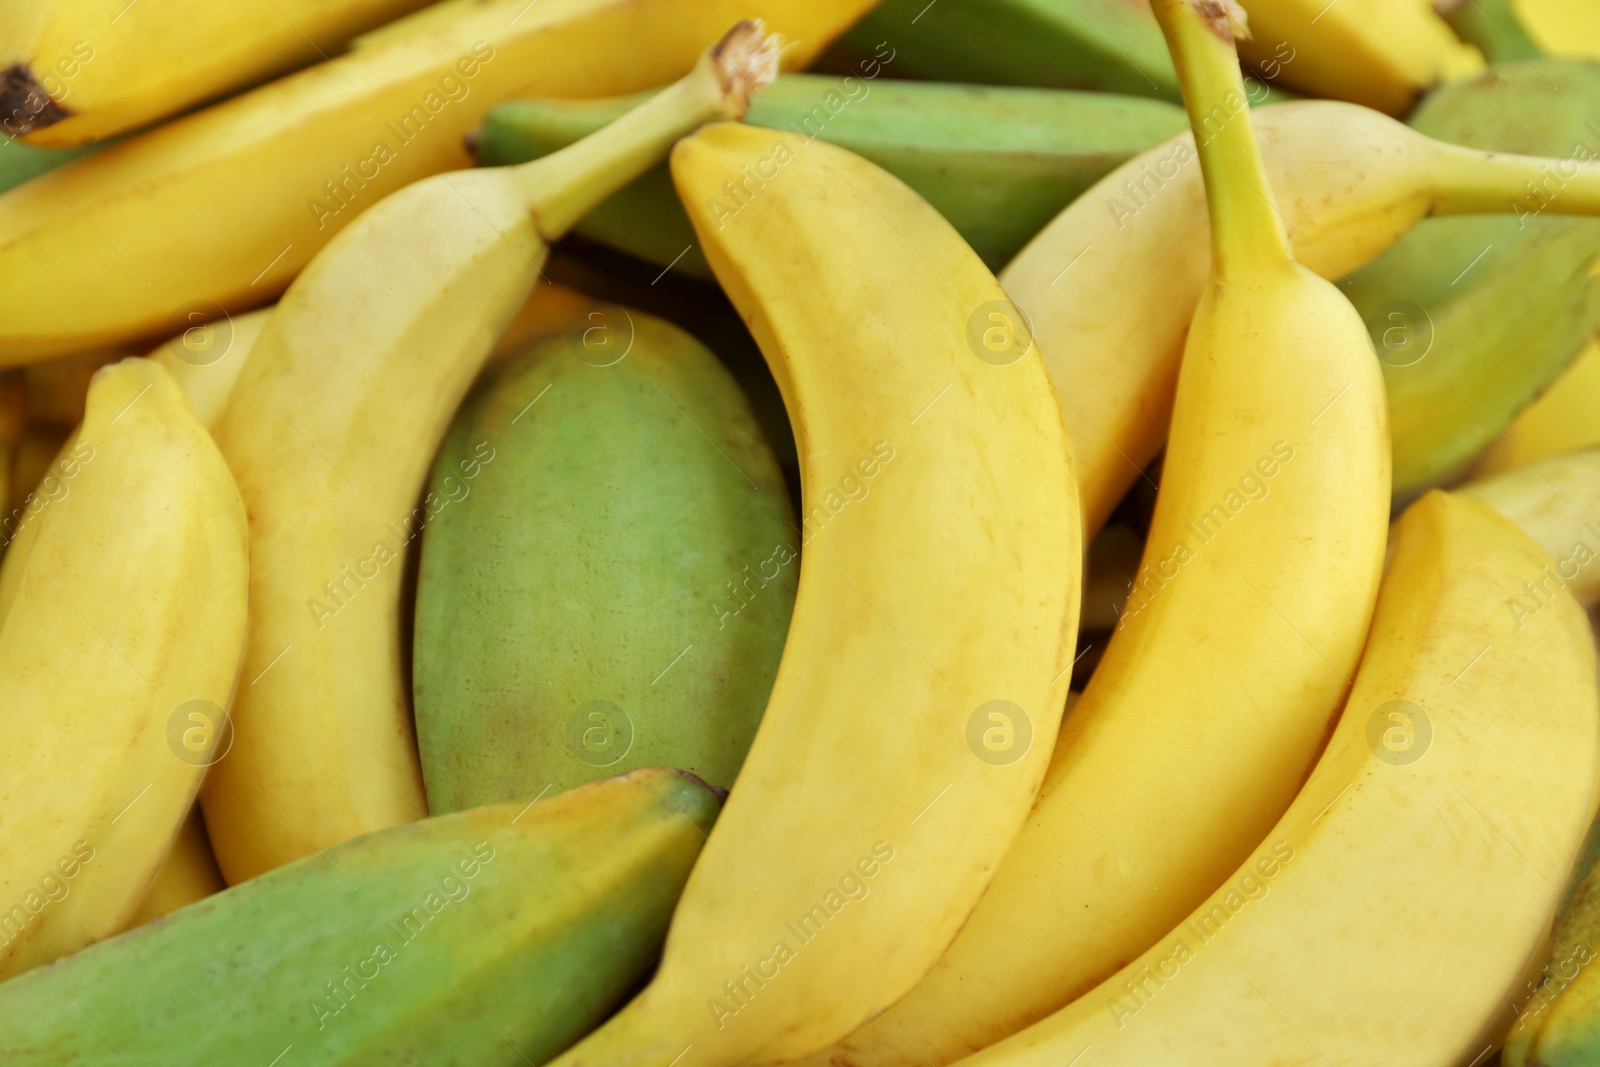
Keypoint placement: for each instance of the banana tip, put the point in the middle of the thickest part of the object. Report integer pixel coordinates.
(1226, 18)
(746, 61)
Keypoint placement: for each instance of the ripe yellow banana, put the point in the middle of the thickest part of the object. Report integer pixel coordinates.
(225, 206)
(1565, 419)
(110, 668)
(84, 70)
(1562, 27)
(1234, 651)
(207, 358)
(330, 430)
(1350, 183)
(1557, 503)
(1388, 918)
(926, 665)
(189, 873)
(1378, 53)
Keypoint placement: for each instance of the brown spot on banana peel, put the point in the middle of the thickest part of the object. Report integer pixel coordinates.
(24, 104)
(1225, 18)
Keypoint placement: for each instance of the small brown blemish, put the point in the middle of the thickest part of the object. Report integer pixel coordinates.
(1225, 18)
(24, 105)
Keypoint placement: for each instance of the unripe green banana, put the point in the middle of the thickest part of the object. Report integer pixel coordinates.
(496, 936)
(998, 163)
(1474, 316)
(609, 578)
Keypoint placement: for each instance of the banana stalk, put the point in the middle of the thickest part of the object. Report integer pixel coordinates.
(1440, 826)
(116, 674)
(997, 162)
(251, 188)
(330, 429)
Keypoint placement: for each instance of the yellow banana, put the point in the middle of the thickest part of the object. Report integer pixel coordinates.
(1562, 27)
(1388, 918)
(1350, 183)
(222, 208)
(207, 358)
(110, 668)
(926, 665)
(1565, 419)
(330, 430)
(1378, 53)
(1557, 503)
(84, 70)
(189, 873)
(1244, 625)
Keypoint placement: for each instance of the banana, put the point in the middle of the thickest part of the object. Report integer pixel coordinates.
(249, 189)
(997, 162)
(129, 663)
(84, 70)
(926, 665)
(490, 938)
(1147, 220)
(1562, 27)
(19, 161)
(330, 429)
(1475, 316)
(1388, 917)
(207, 358)
(188, 874)
(1378, 53)
(654, 575)
(1557, 503)
(13, 420)
(1565, 419)
(1274, 502)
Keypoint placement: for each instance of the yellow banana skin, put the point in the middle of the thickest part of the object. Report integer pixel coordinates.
(1557, 503)
(1377, 53)
(1113, 348)
(1565, 419)
(330, 428)
(1387, 919)
(84, 70)
(942, 585)
(188, 874)
(207, 359)
(252, 187)
(109, 657)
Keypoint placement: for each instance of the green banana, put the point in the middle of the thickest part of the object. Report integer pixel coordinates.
(1106, 45)
(608, 580)
(1474, 316)
(494, 936)
(998, 163)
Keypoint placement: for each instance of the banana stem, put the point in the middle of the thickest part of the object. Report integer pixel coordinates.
(564, 186)
(1488, 183)
(1246, 229)
(1492, 26)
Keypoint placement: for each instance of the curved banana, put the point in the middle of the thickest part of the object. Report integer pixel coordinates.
(1562, 27)
(926, 664)
(330, 430)
(1557, 503)
(1147, 220)
(1244, 625)
(188, 874)
(1389, 917)
(250, 188)
(123, 661)
(1378, 53)
(207, 358)
(1565, 419)
(84, 70)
